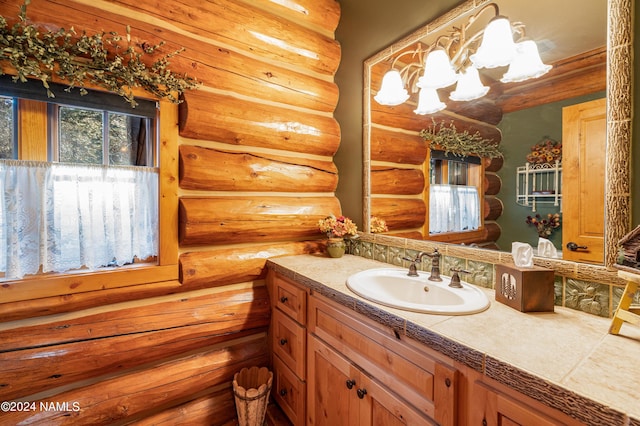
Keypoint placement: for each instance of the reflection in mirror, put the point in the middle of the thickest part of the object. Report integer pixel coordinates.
(400, 184)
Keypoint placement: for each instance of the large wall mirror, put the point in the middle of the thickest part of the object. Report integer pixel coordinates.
(591, 57)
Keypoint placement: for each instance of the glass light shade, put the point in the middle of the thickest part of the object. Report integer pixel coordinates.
(428, 102)
(497, 48)
(438, 71)
(527, 63)
(469, 86)
(392, 91)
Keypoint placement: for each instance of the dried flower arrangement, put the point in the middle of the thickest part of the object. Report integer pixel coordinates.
(337, 227)
(547, 151)
(446, 137)
(98, 59)
(544, 227)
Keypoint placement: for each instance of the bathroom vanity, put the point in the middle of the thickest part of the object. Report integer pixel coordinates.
(340, 359)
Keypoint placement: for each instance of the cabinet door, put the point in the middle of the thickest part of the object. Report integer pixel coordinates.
(491, 407)
(583, 162)
(380, 407)
(340, 394)
(332, 387)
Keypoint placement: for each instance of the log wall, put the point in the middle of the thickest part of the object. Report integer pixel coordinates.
(255, 168)
(399, 172)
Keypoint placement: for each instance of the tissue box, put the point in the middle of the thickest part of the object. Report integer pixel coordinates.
(525, 289)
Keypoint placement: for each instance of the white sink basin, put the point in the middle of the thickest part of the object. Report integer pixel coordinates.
(394, 288)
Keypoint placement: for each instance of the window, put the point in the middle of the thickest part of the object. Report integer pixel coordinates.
(7, 128)
(94, 204)
(454, 202)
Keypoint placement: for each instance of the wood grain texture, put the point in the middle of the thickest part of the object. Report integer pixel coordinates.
(215, 408)
(219, 220)
(246, 171)
(397, 147)
(230, 265)
(236, 121)
(114, 399)
(396, 181)
(135, 317)
(400, 213)
(29, 371)
(324, 14)
(249, 29)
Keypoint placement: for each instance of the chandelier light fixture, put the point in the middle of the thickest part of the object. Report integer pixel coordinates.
(456, 58)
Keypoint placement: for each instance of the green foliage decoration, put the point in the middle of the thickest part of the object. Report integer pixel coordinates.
(446, 137)
(99, 59)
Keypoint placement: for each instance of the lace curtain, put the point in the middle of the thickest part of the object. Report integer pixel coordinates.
(67, 216)
(453, 208)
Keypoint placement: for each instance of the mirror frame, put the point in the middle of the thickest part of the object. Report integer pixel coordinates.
(618, 147)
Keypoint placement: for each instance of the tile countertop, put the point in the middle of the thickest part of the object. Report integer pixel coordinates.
(567, 359)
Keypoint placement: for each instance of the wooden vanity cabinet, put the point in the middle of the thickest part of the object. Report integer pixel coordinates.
(333, 366)
(390, 379)
(288, 345)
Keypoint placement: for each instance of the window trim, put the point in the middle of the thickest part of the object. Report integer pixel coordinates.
(166, 269)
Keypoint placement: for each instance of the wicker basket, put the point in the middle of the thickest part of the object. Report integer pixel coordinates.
(251, 387)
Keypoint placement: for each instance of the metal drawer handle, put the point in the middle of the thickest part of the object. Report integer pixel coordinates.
(362, 393)
(284, 299)
(283, 392)
(351, 383)
(283, 342)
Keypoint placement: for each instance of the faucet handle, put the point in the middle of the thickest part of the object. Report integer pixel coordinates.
(455, 278)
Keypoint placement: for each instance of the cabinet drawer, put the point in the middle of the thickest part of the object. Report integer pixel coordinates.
(289, 342)
(290, 299)
(424, 381)
(289, 392)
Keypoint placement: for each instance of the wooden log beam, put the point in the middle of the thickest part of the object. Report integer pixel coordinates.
(403, 117)
(221, 118)
(244, 171)
(492, 208)
(492, 184)
(570, 77)
(223, 22)
(231, 265)
(396, 147)
(220, 220)
(29, 371)
(311, 13)
(400, 213)
(115, 399)
(13, 311)
(247, 28)
(204, 306)
(493, 164)
(223, 69)
(216, 408)
(396, 181)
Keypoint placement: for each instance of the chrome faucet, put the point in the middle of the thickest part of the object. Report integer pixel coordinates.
(435, 265)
